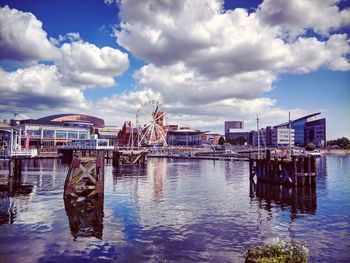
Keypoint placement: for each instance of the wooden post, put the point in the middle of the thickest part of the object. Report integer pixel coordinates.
(294, 171)
(268, 165)
(309, 171)
(85, 177)
(301, 164)
(276, 171)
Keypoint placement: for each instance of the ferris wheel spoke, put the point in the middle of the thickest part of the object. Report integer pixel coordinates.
(158, 117)
(151, 132)
(162, 133)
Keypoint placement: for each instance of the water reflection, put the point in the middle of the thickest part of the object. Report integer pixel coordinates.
(12, 192)
(85, 217)
(299, 199)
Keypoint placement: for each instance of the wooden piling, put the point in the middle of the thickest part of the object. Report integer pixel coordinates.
(85, 177)
(268, 165)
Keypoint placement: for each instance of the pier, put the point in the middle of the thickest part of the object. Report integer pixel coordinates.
(129, 157)
(85, 178)
(292, 170)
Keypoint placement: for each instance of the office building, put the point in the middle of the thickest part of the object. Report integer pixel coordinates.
(58, 129)
(308, 130)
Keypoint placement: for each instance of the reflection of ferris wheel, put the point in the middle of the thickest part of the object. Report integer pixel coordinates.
(151, 122)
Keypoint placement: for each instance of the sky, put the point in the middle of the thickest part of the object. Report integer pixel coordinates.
(206, 61)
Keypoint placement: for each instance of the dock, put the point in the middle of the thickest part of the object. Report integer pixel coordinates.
(129, 157)
(292, 170)
(85, 178)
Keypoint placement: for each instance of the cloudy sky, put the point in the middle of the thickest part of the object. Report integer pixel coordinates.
(207, 61)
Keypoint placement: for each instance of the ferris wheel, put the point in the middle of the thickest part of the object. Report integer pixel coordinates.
(151, 123)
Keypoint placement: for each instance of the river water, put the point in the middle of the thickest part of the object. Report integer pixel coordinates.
(173, 211)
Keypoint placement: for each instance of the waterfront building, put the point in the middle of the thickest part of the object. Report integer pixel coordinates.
(231, 126)
(127, 134)
(262, 137)
(308, 130)
(110, 133)
(92, 143)
(213, 138)
(280, 137)
(58, 129)
(235, 130)
(185, 137)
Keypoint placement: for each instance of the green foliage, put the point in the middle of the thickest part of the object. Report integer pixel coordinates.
(238, 141)
(278, 251)
(221, 140)
(310, 147)
(340, 142)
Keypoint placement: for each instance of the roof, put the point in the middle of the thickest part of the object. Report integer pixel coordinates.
(72, 117)
(186, 131)
(304, 117)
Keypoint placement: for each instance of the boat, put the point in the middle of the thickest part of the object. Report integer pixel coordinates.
(316, 154)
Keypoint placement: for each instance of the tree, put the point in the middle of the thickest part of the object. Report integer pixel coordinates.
(341, 142)
(221, 140)
(310, 147)
(237, 141)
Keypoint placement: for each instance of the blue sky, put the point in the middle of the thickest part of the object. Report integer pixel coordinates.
(206, 61)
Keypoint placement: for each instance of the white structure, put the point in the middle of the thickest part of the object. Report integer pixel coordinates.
(10, 144)
(151, 123)
(89, 144)
(52, 135)
(280, 137)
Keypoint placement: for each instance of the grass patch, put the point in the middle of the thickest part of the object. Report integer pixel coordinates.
(278, 251)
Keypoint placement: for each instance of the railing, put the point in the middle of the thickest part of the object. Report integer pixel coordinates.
(18, 153)
(80, 147)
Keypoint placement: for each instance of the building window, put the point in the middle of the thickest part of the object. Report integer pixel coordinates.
(61, 134)
(83, 135)
(73, 135)
(49, 133)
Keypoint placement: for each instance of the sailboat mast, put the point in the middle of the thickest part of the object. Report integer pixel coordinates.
(290, 151)
(257, 125)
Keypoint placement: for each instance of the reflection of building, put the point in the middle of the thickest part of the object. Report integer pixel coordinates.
(299, 199)
(85, 217)
(59, 129)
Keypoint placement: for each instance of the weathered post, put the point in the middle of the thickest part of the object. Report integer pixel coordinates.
(294, 171)
(276, 170)
(268, 165)
(301, 165)
(85, 177)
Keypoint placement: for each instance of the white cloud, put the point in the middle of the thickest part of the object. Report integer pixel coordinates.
(84, 64)
(22, 37)
(294, 17)
(37, 88)
(177, 83)
(70, 37)
(219, 43)
(211, 116)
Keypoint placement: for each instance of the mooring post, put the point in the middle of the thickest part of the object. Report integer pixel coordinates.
(268, 165)
(275, 170)
(294, 171)
(250, 168)
(309, 175)
(301, 165)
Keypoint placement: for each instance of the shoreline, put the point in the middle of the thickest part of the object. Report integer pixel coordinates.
(335, 152)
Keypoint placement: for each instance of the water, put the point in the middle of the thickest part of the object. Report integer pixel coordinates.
(173, 210)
